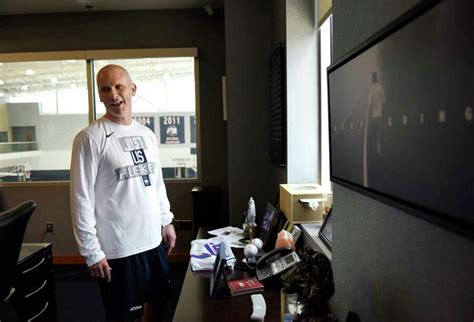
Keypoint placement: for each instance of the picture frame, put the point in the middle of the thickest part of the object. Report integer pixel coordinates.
(267, 223)
(325, 232)
(216, 275)
(400, 123)
(270, 224)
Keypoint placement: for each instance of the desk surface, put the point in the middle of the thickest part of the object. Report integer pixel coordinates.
(195, 305)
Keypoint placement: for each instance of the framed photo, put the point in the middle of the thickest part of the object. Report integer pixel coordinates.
(325, 233)
(216, 275)
(267, 222)
(400, 115)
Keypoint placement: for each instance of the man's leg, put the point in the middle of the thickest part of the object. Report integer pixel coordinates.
(159, 289)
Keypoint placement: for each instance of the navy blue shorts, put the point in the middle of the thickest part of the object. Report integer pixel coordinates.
(136, 279)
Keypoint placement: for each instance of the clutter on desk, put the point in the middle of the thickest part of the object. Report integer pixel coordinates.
(245, 286)
(257, 242)
(250, 224)
(216, 275)
(251, 252)
(204, 251)
(259, 308)
(234, 235)
(312, 280)
(274, 263)
(252, 249)
(226, 253)
(285, 240)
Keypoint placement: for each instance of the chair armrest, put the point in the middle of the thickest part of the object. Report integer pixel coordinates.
(12, 290)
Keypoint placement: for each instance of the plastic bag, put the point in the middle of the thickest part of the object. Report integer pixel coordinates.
(203, 253)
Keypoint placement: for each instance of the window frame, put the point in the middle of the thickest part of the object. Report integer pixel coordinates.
(89, 56)
(322, 73)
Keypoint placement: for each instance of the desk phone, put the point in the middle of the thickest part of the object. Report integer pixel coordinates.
(276, 262)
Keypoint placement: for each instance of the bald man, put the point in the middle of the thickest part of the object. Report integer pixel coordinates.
(120, 210)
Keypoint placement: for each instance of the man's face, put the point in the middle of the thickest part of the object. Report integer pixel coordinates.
(116, 91)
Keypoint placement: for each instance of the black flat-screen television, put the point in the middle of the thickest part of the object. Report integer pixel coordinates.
(400, 115)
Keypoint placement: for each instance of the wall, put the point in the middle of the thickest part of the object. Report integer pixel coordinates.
(248, 30)
(133, 29)
(389, 265)
(23, 114)
(67, 125)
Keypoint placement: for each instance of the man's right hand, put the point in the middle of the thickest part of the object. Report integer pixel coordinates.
(101, 269)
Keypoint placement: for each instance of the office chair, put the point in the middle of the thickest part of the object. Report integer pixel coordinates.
(12, 229)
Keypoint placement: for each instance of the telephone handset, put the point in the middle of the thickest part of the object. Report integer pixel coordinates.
(275, 262)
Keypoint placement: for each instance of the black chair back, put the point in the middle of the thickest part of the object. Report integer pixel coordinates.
(12, 229)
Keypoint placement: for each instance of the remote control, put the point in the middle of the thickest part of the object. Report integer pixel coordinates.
(258, 306)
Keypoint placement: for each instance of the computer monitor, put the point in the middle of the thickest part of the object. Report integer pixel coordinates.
(325, 233)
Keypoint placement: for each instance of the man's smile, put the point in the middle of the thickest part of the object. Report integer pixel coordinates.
(116, 104)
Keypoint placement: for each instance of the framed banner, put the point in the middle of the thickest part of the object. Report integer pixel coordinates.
(172, 129)
(400, 115)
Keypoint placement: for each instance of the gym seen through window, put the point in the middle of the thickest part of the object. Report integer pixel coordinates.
(44, 104)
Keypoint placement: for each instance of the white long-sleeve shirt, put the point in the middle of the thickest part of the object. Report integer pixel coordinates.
(118, 197)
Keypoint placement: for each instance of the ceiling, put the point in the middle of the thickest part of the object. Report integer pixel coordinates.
(16, 7)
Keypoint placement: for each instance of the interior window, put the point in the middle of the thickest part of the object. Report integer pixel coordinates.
(43, 104)
(165, 103)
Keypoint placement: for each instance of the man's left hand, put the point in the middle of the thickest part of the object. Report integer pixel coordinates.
(169, 236)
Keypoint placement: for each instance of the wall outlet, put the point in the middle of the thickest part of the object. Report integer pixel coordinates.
(49, 227)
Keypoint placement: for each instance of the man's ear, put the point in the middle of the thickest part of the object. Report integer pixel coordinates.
(134, 89)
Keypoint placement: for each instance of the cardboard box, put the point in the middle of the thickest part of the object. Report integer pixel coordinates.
(303, 203)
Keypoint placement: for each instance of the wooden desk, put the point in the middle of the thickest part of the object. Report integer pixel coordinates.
(194, 303)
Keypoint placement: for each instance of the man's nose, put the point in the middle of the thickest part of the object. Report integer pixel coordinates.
(112, 94)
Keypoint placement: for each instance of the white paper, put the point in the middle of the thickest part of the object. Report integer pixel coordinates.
(231, 234)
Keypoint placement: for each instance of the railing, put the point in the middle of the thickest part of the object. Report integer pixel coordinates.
(11, 147)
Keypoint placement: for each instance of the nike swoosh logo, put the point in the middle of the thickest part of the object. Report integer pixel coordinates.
(107, 135)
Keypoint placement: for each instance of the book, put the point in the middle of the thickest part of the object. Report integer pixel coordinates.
(245, 286)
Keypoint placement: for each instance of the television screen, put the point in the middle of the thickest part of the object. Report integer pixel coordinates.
(400, 105)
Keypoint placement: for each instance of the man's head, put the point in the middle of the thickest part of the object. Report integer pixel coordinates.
(116, 90)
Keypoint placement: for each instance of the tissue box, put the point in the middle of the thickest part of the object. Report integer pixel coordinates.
(304, 203)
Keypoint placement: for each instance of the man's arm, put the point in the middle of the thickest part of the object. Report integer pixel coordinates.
(167, 232)
(169, 236)
(101, 269)
(84, 165)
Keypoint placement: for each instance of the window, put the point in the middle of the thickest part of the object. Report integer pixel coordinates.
(325, 44)
(165, 103)
(44, 103)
